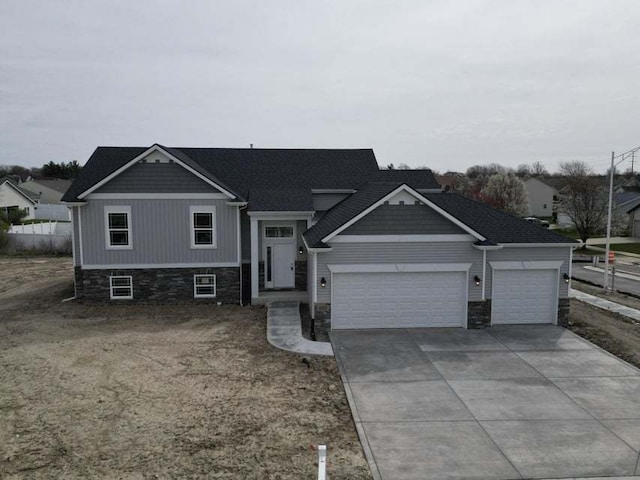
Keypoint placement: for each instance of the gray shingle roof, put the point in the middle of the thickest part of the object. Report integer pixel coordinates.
(347, 209)
(496, 226)
(270, 200)
(243, 170)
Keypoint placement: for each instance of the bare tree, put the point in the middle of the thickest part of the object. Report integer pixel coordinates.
(538, 169)
(506, 192)
(523, 170)
(584, 200)
(486, 170)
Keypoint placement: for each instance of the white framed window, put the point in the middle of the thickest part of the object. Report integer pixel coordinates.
(117, 223)
(204, 286)
(121, 287)
(278, 232)
(203, 226)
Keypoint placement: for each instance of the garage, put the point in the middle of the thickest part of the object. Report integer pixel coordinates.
(524, 296)
(399, 299)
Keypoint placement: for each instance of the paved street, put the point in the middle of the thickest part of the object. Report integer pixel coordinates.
(627, 277)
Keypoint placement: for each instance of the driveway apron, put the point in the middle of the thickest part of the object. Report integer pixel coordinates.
(502, 403)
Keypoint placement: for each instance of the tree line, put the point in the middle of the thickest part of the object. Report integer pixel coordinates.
(62, 170)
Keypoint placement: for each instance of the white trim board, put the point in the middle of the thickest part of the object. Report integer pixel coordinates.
(401, 238)
(302, 215)
(398, 267)
(542, 245)
(527, 265)
(156, 196)
(140, 266)
(418, 196)
(150, 150)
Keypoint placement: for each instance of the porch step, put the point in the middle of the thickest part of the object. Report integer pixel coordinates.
(270, 297)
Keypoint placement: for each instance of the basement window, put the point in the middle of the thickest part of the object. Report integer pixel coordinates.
(204, 286)
(121, 287)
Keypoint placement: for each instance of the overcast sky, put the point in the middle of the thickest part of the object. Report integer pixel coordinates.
(446, 84)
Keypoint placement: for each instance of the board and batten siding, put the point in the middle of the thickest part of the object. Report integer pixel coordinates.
(324, 201)
(529, 254)
(156, 178)
(401, 220)
(402, 253)
(160, 233)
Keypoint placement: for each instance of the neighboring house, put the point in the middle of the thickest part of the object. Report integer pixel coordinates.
(49, 190)
(13, 197)
(367, 248)
(49, 193)
(630, 213)
(542, 197)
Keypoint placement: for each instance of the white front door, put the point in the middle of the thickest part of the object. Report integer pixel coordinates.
(283, 267)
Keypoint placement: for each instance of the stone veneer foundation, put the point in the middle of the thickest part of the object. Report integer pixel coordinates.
(159, 285)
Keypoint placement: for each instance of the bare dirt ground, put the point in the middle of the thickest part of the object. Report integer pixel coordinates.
(610, 331)
(146, 392)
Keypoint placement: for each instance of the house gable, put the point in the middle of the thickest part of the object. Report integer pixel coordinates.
(156, 173)
(10, 195)
(158, 153)
(401, 196)
(403, 219)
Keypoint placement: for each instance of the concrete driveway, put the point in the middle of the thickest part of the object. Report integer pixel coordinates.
(501, 403)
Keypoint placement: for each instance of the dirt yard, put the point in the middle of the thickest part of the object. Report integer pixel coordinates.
(610, 331)
(155, 392)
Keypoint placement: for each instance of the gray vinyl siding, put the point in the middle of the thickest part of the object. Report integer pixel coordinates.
(76, 236)
(366, 253)
(156, 178)
(324, 201)
(160, 233)
(403, 220)
(509, 254)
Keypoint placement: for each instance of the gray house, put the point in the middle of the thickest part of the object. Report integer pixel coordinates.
(366, 248)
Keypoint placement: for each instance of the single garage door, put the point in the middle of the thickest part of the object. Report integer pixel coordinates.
(524, 296)
(399, 300)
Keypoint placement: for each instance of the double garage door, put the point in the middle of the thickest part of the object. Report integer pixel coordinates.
(399, 300)
(438, 299)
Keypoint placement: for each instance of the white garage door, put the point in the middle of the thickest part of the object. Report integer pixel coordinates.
(524, 296)
(399, 300)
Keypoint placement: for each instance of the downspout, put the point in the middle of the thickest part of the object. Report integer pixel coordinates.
(240, 207)
(484, 274)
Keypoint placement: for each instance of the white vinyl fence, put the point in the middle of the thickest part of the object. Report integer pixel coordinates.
(47, 237)
(45, 228)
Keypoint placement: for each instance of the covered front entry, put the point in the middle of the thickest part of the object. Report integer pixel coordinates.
(524, 296)
(399, 299)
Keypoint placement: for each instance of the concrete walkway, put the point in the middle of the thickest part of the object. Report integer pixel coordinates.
(605, 304)
(284, 330)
